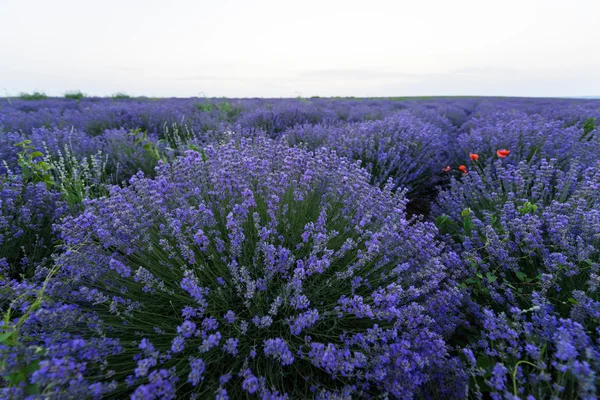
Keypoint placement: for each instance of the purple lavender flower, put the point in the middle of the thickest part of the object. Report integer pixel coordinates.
(278, 348)
(250, 383)
(186, 329)
(229, 317)
(230, 346)
(197, 367)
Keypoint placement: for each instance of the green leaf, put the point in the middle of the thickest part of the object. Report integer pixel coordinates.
(490, 277)
(466, 212)
(32, 389)
(483, 361)
(468, 225)
(441, 220)
(589, 125)
(528, 208)
(37, 154)
(16, 377)
(521, 276)
(32, 367)
(5, 336)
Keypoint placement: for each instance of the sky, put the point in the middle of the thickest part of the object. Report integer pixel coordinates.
(285, 48)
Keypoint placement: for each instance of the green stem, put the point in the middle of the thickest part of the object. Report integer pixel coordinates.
(514, 374)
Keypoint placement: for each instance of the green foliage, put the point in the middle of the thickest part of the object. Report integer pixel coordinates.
(152, 149)
(120, 96)
(34, 170)
(78, 179)
(177, 138)
(204, 107)
(75, 179)
(467, 221)
(227, 111)
(477, 280)
(528, 208)
(199, 150)
(33, 96)
(589, 126)
(447, 226)
(223, 108)
(75, 95)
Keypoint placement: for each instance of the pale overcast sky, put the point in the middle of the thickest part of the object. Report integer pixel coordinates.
(281, 48)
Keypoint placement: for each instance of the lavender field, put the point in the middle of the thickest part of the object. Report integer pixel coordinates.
(428, 248)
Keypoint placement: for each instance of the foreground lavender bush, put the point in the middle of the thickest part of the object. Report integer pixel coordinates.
(530, 236)
(252, 268)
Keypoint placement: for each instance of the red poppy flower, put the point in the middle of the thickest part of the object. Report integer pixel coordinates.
(474, 156)
(503, 153)
(446, 169)
(463, 169)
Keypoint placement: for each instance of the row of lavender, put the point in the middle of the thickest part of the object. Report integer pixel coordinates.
(306, 248)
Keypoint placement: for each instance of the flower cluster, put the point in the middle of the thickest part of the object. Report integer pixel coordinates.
(403, 148)
(527, 136)
(257, 253)
(529, 237)
(27, 213)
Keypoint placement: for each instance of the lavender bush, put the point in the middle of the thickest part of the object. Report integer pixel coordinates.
(268, 257)
(530, 237)
(265, 248)
(530, 137)
(27, 213)
(404, 149)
